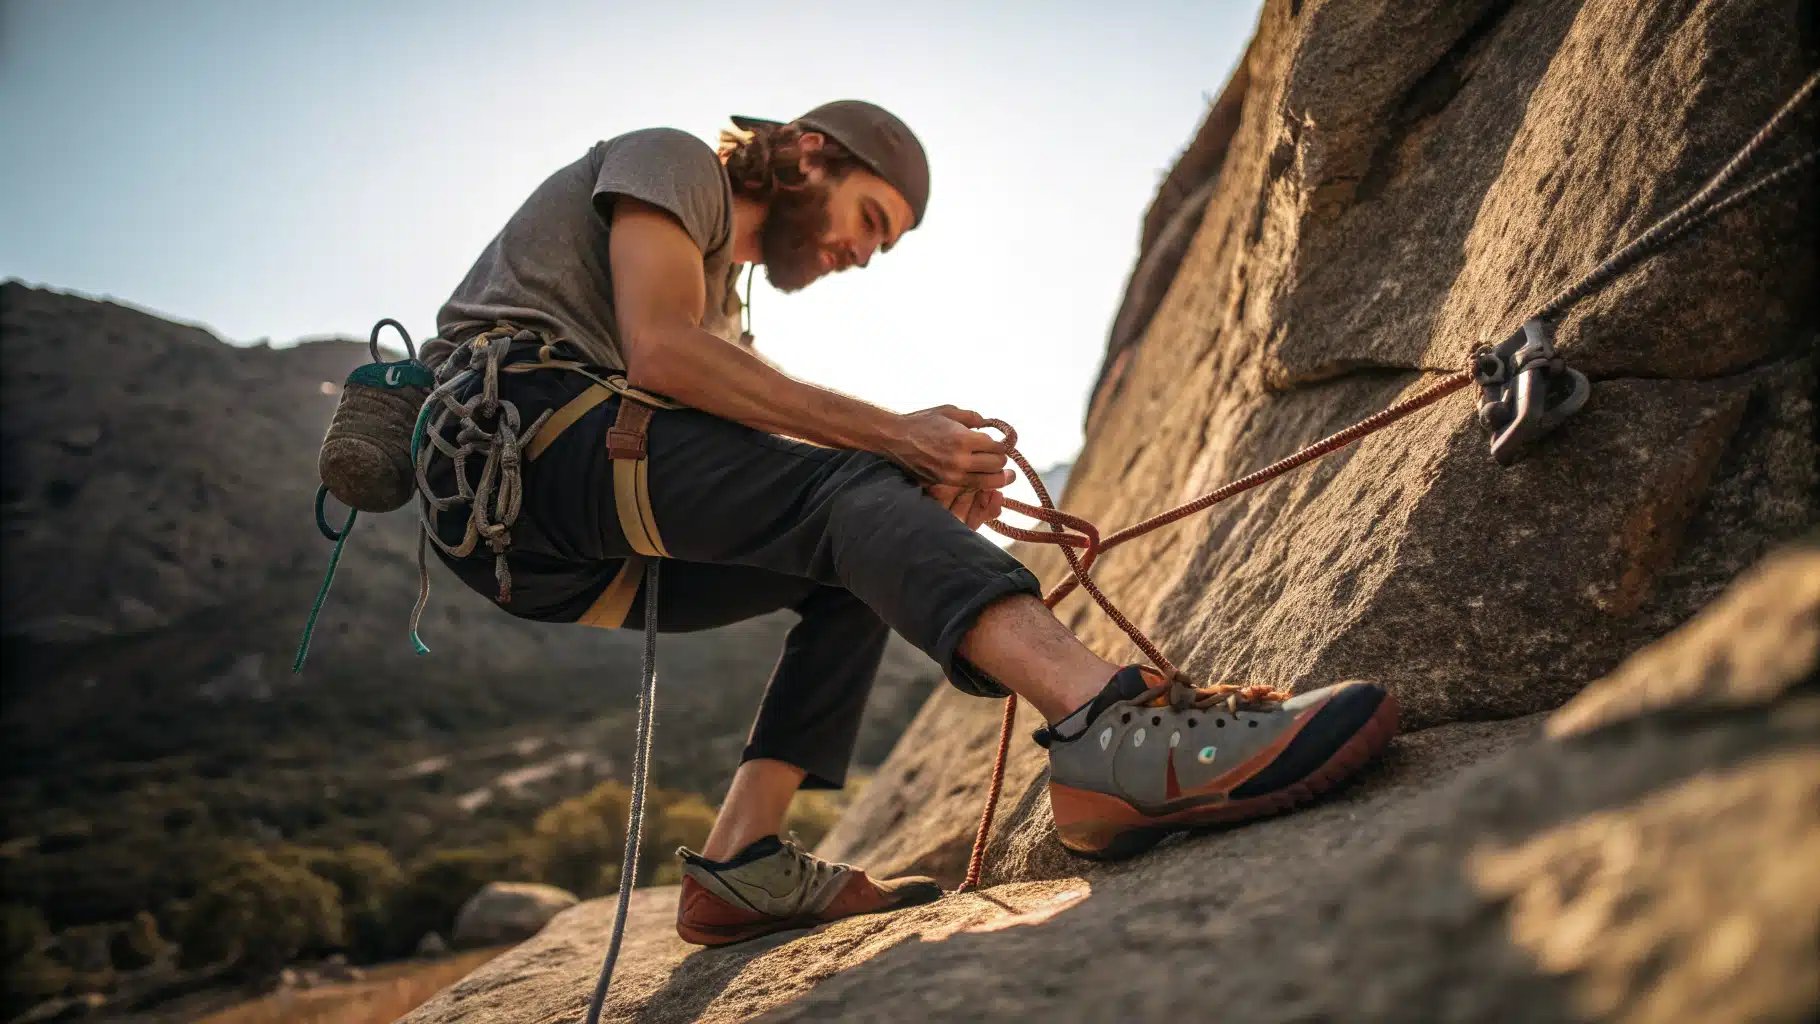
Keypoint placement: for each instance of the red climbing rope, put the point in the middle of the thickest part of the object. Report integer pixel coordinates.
(1085, 537)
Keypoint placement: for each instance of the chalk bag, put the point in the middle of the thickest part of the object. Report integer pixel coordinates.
(366, 456)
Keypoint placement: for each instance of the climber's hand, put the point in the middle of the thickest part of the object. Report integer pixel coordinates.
(940, 446)
(972, 506)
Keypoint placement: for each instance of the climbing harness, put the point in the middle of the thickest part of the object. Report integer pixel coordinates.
(1527, 390)
(491, 429)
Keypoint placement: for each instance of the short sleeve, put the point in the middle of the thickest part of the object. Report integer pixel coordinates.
(671, 170)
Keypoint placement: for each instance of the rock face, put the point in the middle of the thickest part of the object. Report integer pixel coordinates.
(508, 912)
(1649, 852)
(1400, 184)
(1406, 182)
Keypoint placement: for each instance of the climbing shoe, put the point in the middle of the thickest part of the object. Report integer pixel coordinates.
(1149, 757)
(773, 885)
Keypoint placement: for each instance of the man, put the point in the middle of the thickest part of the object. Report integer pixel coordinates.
(626, 261)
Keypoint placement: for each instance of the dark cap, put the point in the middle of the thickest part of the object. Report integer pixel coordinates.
(877, 138)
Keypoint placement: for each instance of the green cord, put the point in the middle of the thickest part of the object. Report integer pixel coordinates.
(423, 590)
(376, 374)
(423, 417)
(309, 627)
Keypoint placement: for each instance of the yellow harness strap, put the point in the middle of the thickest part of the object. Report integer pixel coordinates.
(564, 418)
(626, 447)
(614, 382)
(609, 609)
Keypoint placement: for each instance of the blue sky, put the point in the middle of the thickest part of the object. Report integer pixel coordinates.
(281, 171)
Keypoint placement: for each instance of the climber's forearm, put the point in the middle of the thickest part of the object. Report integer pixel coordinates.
(704, 372)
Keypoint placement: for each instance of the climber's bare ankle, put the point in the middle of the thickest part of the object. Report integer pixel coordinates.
(1020, 643)
(755, 806)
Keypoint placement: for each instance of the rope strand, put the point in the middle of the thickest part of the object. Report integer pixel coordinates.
(1698, 209)
(641, 770)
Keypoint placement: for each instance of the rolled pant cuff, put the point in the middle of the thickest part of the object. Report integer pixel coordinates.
(818, 772)
(963, 675)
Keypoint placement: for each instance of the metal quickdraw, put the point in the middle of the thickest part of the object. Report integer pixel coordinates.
(1526, 389)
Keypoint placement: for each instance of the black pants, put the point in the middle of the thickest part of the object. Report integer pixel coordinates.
(753, 523)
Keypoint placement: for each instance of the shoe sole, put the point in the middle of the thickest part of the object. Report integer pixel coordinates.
(712, 937)
(707, 935)
(1105, 828)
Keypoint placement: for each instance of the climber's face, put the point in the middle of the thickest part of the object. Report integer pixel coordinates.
(828, 225)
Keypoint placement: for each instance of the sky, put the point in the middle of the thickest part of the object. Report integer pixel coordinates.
(282, 171)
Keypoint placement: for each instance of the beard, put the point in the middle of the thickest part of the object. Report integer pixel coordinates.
(791, 238)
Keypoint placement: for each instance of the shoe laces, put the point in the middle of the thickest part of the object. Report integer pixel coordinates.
(1183, 695)
(808, 863)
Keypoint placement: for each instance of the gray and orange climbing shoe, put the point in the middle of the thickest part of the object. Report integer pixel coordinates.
(774, 885)
(1147, 757)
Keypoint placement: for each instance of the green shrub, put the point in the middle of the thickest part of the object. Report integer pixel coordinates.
(677, 819)
(22, 931)
(65, 835)
(108, 882)
(813, 814)
(171, 915)
(185, 814)
(367, 879)
(88, 951)
(139, 943)
(259, 912)
(28, 973)
(578, 844)
(437, 884)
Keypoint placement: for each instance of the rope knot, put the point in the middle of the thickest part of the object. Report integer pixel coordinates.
(1184, 694)
(485, 426)
(1180, 692)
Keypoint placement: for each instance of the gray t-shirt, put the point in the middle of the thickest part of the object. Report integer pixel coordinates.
(548, 268)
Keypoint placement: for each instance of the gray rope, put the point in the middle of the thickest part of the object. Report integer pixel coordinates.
(1703, 206)
(1776, 177)
(495, 502)
(641, 766)
(423, 589)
